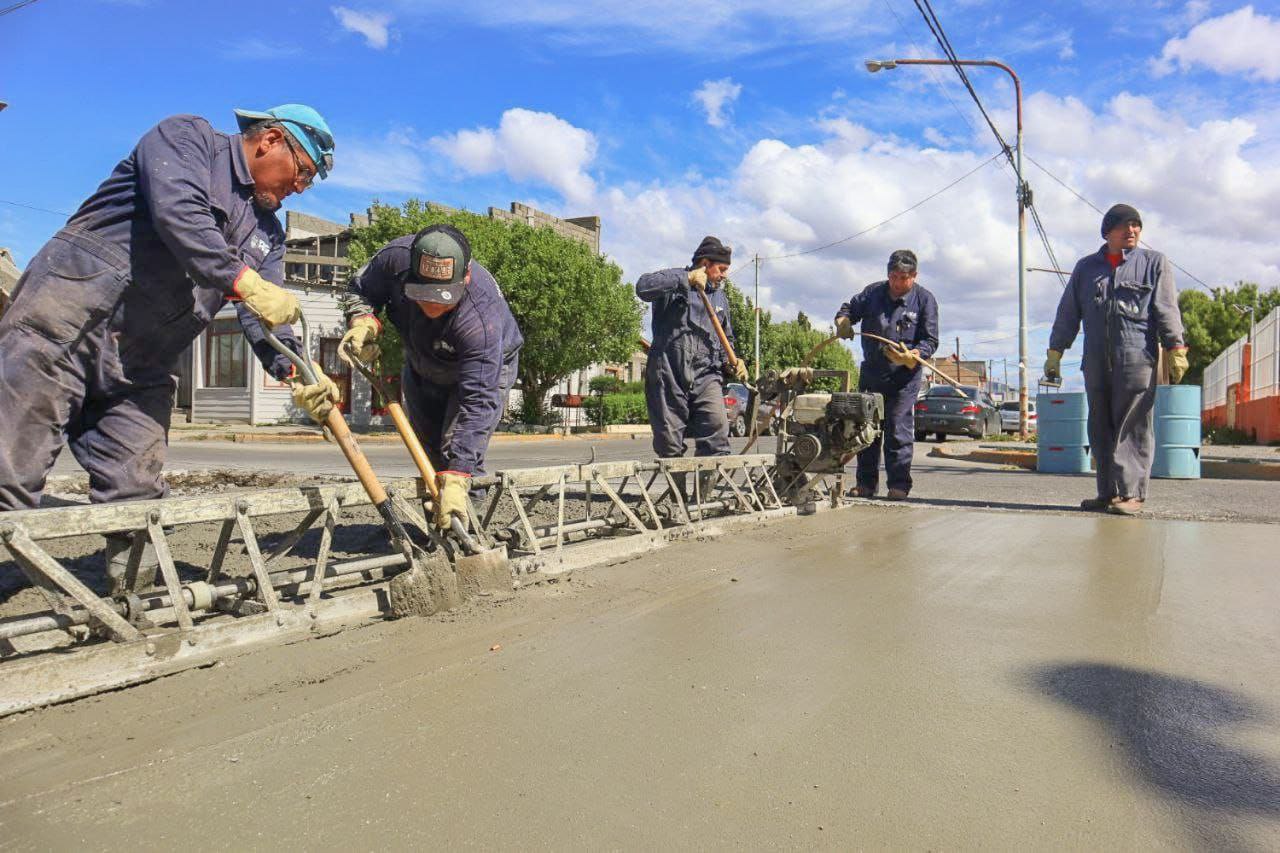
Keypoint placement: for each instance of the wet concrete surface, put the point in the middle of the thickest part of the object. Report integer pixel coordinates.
(871, 678)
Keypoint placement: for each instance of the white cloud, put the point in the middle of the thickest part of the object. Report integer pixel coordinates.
(717, 97)
(1190, 179)
(259, 50)
(1241, 42)
(720, 27)
(527, 146)
(374, 26)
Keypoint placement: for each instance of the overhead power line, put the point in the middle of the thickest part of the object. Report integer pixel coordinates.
(33, 207)
(884, 222)
(1097, 209)
(15, 7)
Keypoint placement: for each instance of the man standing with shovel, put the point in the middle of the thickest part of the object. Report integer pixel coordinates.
(461, 349)
(684, 379)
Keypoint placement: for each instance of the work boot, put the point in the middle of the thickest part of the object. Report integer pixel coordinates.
(862, 492)
(897, 494)
(116, 557)
(1126, 506)
(1098, 504)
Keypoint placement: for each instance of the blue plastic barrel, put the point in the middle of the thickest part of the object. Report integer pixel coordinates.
(1062, 434)
(1177, 433)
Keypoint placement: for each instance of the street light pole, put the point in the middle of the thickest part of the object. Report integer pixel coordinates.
(874, 65)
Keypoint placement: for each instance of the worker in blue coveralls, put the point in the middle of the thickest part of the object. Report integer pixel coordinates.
(902, 311)
(685, 375)
(90, 344)
(1125, 298)
(461, 349)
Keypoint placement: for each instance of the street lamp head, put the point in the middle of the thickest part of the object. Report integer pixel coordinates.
(874, 65)
(1243, 309)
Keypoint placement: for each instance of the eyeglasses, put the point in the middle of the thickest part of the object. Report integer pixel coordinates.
(322, 138)
(304, 175)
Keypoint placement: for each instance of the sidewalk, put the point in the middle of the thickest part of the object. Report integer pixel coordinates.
(302, 434)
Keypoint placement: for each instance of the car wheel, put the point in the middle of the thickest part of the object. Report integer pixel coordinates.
(940, 436)
(920, 436)
(739, 426)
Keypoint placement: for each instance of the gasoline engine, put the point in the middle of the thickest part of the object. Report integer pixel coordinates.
(818, 432)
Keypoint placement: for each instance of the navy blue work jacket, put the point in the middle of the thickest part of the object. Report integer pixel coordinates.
(465, 348)
(913, 320)
(180, 206)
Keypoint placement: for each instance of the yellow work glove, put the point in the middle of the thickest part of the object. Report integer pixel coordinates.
(1053, 365)
(793, 375)
(362, 335)
(318, 399)
(453, 487)
(1177, 364)
(740, 371)
(844, 328)
(272, 304)
(698, 279)
(898, 356)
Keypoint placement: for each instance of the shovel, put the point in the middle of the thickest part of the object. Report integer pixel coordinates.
(480, 571)
(429, 586)
(752, 394)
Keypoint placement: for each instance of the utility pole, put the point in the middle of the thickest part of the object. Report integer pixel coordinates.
(757, 301)
(1005, 363)
(958, 379)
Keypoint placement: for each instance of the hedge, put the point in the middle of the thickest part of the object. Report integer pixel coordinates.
(618, 409)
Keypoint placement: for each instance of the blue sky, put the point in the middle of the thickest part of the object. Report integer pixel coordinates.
(751, 120)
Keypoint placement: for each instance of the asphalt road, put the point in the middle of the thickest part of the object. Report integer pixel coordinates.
(880, 677)
(938, 482)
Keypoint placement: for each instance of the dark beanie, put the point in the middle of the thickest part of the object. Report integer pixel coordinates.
(1119, 214)
(713, 250)
(903, 260)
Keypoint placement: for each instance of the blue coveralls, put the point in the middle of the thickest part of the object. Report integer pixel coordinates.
(458, 368)
(1124, 312)
(913, 320)
(104, 309)
(684, 378)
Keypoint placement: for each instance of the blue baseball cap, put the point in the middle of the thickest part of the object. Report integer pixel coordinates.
(305, 125)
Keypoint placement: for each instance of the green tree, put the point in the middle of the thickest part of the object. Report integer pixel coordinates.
(784, 344)
(571, 304)
(1212, 323)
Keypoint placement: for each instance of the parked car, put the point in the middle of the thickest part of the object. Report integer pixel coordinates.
(736, 396)
(1009, 416)
(945, 410)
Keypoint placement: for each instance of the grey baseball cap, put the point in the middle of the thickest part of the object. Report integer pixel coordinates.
(438, 261)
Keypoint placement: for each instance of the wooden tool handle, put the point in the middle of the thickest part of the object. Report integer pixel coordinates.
(416, 451)
(347, 443)
(715, 322)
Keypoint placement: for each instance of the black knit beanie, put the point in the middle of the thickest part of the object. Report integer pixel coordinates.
(1119, 214)
(713, 250)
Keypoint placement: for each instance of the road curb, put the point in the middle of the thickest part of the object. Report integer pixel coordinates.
(1233, 468)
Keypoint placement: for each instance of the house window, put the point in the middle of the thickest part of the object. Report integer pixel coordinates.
(224, 355)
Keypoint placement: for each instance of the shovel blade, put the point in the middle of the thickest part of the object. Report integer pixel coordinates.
(486, 574)
(428, 587)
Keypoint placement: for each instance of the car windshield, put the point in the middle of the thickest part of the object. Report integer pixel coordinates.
(1011, 406)
(943, 391)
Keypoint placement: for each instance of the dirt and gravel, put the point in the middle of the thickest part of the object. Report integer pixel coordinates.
(879, 677)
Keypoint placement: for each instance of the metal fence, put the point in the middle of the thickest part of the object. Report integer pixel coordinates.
(1225, 370)
(1266, 356)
